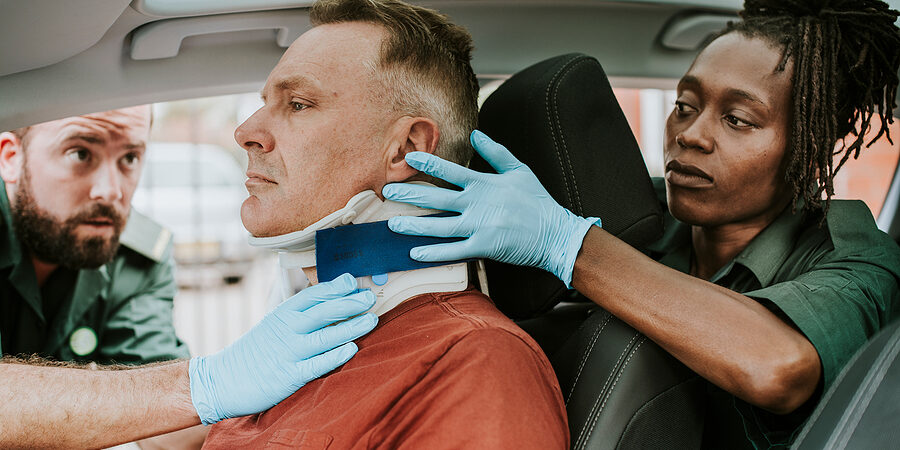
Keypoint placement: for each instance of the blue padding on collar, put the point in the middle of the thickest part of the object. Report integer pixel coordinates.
(370, 249)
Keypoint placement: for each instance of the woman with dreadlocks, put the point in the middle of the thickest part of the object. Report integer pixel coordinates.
(773, 288)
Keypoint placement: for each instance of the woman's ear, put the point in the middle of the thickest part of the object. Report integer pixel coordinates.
(411, 134)
(11, 157)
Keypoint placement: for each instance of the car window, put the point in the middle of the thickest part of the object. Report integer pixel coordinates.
(205, 169)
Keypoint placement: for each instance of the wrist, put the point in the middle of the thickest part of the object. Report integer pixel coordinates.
(576, 229)
(202, 392)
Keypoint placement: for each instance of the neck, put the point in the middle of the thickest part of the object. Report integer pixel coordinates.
(42, 270)
(715, 246)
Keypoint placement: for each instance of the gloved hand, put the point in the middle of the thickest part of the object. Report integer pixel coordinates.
(291, 346)
(508, 216)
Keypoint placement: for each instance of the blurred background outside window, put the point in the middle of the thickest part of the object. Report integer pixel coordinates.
(193, 183)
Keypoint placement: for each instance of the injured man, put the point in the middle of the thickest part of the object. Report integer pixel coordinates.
(372, 81)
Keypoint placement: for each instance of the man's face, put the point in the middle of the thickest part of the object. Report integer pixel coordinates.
(311, 145)
(72, 194)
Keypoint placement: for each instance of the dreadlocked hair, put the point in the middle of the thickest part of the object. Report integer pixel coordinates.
(845, 56)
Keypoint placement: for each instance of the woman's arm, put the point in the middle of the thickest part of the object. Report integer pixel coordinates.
(730, 339)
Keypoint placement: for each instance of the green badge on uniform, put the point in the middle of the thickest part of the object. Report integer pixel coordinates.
(83, 341)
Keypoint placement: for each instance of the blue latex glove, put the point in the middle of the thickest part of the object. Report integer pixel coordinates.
(508, 216)
(288, 348)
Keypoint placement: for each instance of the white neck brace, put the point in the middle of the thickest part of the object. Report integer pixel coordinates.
(297, 251)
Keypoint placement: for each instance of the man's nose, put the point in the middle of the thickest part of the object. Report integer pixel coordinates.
(698, 134)
(107, 184)
(252, 135)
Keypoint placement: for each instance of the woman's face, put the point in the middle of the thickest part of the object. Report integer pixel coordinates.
(726, 139)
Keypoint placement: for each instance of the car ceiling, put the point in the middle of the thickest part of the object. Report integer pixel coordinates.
(64, 58)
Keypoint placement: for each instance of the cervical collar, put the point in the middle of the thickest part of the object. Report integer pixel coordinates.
(297, 251)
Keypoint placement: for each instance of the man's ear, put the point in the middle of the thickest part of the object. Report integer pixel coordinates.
(11, 157)
(410, 134)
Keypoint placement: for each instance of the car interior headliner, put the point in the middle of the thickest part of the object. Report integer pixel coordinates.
(64, 58)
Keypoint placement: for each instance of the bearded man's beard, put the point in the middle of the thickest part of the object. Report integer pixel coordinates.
(54, 241)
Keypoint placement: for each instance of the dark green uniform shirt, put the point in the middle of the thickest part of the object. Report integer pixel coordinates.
(119, 313)
(838, 284)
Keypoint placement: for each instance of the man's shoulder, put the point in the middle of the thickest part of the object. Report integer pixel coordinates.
(146, 237)
(484, 326)
(144, 260)
(467, 315)
(475, 309)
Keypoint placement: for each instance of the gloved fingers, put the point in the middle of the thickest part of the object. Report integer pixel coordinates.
(441, 168)
(322, 292)
(329, 312)
(443, 252)
(317, 366)
(321, 341)
(495, 154)
(422, 196)
(429, 226)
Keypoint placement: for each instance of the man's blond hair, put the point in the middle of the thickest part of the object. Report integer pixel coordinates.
(423, 66)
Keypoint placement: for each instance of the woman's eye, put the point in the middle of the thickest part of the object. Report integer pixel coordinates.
(737, 122)
(682, 107)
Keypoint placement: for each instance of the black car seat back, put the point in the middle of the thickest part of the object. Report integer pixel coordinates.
(862, 407)
(561, 118)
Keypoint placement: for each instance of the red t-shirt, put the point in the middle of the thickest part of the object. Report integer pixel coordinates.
(443, 370)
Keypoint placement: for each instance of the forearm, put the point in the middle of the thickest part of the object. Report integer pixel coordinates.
(728, 338)
(78, 407)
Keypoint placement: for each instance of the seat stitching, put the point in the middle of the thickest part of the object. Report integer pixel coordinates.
(552, 134)
(596, 335)
(576, 200)
(582, 434)
(618, 375)
(609, 394)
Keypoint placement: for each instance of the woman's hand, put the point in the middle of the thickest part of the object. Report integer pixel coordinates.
(507, 216)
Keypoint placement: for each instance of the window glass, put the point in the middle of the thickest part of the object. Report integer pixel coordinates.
(193, 184)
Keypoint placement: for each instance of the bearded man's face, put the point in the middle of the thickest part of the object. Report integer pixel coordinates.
(71, 190)
(55, 241)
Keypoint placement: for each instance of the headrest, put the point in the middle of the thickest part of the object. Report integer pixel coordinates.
(561, 118)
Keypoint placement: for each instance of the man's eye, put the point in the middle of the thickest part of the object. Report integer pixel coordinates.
(79, 155)
(131, 159)
(297, 106)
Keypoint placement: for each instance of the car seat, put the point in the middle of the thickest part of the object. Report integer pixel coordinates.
(561, 118)
(862, 407)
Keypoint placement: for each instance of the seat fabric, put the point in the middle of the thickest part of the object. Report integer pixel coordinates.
(561, 118)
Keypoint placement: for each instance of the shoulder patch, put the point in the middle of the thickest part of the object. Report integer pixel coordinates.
(145, 236)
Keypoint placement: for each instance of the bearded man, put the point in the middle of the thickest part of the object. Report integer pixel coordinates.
(70, 291)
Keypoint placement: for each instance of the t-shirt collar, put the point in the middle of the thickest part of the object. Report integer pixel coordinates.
(762, 257)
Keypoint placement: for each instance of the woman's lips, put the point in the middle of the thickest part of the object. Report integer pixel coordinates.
(687, 176)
